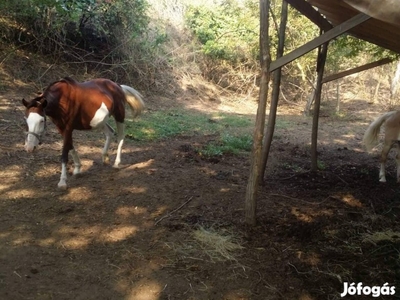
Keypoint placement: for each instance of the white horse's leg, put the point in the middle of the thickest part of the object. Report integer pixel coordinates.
(63, 179)
(77, 162)
(398, 162)
(108, 132)
(384, 154)
(382, 171)
(121, 136)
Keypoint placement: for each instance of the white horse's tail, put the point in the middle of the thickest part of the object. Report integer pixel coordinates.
(370, 139)
(134, 99)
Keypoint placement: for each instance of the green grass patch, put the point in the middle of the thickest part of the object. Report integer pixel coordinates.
(233, 132)
(228, 144)
(157, 125)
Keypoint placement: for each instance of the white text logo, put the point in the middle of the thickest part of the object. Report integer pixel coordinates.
(376, 291)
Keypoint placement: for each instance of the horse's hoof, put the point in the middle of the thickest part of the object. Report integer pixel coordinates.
(106, 160)
(62, 186)
(382, 180)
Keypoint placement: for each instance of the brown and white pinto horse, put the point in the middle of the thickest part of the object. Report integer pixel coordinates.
(82, 106)
(392, 138)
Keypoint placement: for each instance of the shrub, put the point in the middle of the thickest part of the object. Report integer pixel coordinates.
(102, 36)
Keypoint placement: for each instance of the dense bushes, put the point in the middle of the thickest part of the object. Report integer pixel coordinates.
(228, 37)
(227, 32)
(77, 22)
(122, 38)
(89, 32)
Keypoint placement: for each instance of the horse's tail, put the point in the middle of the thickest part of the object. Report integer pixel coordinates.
(134, 99)
(370, 139)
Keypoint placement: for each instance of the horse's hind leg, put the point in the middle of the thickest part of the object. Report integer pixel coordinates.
(109, 133)
(398, 161)
(384, 154)
(121, 136)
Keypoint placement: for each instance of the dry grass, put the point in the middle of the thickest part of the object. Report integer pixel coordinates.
(209, 245)
(218, 246)
(379, 236)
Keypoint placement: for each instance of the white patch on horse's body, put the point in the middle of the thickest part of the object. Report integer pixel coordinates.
(100, 117)
(35, 124)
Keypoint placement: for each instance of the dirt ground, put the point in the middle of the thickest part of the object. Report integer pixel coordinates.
(133, 233)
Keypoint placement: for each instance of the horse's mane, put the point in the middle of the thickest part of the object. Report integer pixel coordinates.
(35, 102)
(66, 79)
(69, 80)
(51, 94)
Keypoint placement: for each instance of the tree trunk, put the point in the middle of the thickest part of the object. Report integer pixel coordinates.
(337, 96)
(395, 82)
(252, 185)
(377, 91)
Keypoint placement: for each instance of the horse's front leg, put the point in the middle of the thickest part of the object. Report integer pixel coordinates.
(67, 145)
(62, 184)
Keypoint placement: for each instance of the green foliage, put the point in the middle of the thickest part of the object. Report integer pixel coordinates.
(321, 165)
(228, 31)
(105, 17)
(346, 51)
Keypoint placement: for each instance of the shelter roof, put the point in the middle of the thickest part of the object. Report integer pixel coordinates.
(382, 29)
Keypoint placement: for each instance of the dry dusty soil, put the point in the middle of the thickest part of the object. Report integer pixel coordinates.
(170, 223)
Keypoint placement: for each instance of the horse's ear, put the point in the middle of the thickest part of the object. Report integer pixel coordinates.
(24, 102)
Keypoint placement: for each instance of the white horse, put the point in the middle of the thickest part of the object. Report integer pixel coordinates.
(392, 138)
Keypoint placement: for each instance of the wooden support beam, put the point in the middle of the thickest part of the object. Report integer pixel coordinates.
(311, 13)
(357, 69)
(322, 54)
(269, 130)
(322, 39)
(265, 60)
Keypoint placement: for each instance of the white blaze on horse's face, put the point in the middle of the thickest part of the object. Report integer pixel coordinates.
(36, 126)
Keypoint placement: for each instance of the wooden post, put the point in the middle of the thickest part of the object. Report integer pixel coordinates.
(265, 60)
(269, 130)
(322, 52)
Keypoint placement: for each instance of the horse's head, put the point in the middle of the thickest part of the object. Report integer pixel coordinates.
(35, 120)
